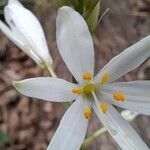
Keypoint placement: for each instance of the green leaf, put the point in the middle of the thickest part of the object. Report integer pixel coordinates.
(93, 18)
(90, 4)
(79, 6)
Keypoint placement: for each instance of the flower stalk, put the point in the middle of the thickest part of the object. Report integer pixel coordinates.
(50, 70)
(92, 138)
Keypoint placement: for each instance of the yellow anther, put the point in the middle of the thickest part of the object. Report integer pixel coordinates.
(103, 107)
(119, 96)
(105, 79)
(77, 90)
(87, 76)
(87, 112)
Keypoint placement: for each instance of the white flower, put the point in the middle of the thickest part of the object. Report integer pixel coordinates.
(26, 32)
(129, 115)
(76, 48)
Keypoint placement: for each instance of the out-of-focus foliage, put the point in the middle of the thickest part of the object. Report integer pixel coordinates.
(91, 13)
(4, 138)
(2, 4)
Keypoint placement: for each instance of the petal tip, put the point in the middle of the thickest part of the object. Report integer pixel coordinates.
(12, 1)
(64, 10)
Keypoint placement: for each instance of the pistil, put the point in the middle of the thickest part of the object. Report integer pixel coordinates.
(88, 88)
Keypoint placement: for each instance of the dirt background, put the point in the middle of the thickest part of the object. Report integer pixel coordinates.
(28, 123)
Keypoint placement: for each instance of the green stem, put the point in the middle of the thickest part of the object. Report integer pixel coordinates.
(92, 138)
(51, 71)
(104, 13)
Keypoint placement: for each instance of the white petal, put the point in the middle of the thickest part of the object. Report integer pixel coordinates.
(27, 28)
(120, 129)
(128, 60)
(72, 129)
(129, 115)
(7, 31)
(13, 1)
(138, 88)
(46, 88)
(137, 95)
(74, 42)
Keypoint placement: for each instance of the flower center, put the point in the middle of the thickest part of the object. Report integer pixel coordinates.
(88, 88)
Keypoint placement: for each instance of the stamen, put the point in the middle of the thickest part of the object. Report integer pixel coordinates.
(119, 96)
(87, 112)
(87, 76)
(103, 107)
(105, 79)
(77, 90)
